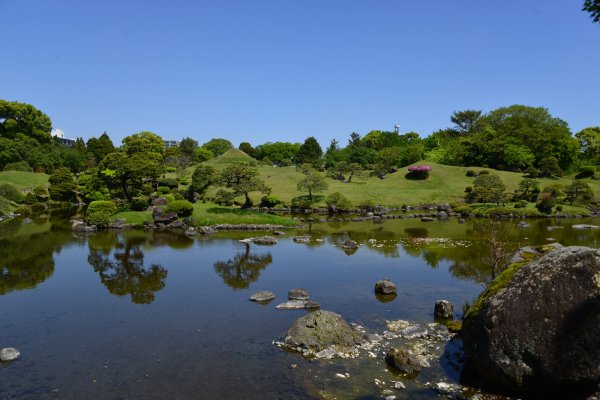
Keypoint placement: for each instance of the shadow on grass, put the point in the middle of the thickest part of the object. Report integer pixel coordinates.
(235, 211)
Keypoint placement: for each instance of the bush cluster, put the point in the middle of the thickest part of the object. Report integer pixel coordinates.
(269, 201)
(102, 206)
(183, 208)
(99, 218)
(339, 202)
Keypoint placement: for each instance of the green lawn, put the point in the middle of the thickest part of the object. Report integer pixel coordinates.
(23, 180)
(445, 184)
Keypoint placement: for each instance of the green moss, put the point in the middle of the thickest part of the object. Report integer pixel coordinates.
(497, 284)
(454, 326)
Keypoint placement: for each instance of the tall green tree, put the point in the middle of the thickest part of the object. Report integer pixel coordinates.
(218, 146)
(589, 142)
(203, 177)
(489, 189)
(579, 192)
(310, 152)
(100, 147)
(465, 120)
(129, 171)
(248, 149)
(143, 142)
(62, 185)
(243, 179)
(277, 151)
(312, 183)
(188, 146)
(21, 118)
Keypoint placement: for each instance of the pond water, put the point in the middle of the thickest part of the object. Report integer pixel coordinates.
(150, 315)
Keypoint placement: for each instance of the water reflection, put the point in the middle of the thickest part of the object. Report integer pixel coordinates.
(125, 274)
(243, 269)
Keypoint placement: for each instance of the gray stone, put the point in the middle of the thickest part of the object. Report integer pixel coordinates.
(292, 305)
(159, 201)
(278, 233)
(206, 230)
(523, 224)
(413, 331)
(9, 354)
(302, 239)
(541, 333)
(427, 219)
(385, 286)
(298, 294)
(177, 224)
(78, 226)
(312, 305)
(320, 330)
(443, 310)
(265, 240)
(405, 361)
(585, 226)
(262, 296)
(166, 218)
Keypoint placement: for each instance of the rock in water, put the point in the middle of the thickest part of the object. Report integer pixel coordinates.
(385, 286)
(9, 354)
(350, 245)
(265, 240)
(292, 305)
(298, 294)
(262, 296)
(320, 330)
(443, 310)
(405, 361)
(536, 328)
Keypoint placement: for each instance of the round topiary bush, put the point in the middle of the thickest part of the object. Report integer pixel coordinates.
(338, 202)
(163, 189)
(183, 208)
(418, 172)
(484, 172)
(99, 218)
(102, 205)
(269, 201)
(169, 182)
(10, 192)
(470, 172)
(139, 204)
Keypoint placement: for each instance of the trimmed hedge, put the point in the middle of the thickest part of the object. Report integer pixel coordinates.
(102, 205)
(183, 208)
(99, 218)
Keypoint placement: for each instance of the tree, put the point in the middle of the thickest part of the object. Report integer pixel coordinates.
(188, 146)
(313, 183)
(80, 146)
(74, 160)
(277, 151)
(243, 179)
(180, 161)
(100, 147)
(248, 149)
(332, 155)
(589, 142)
(465, 120)
(489, 188)
(21, 118)
(310, 152)
(579, 192)
(528, 185)
(130, 171)
(143, 142)
(218, 146)
(549, 167)
(203, 177)
(201, 154)
(518, 157)
(593, 7)
(62, 185)
(387, 159)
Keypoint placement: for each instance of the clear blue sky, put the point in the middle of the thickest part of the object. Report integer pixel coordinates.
(262, 71)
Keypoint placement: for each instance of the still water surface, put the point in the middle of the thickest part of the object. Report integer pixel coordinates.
(149, 315)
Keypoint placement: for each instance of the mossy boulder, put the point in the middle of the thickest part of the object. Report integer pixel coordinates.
(536, 328)
(320, 330)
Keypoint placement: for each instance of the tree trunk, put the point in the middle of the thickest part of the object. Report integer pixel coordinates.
(248, 202)
(126, 189)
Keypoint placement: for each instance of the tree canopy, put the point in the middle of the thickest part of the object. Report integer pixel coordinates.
(21, 118)
(593, 7)
(243, 179)
(217, 146)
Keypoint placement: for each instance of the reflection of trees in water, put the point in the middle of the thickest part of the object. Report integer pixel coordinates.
(126, 274)
(27, 260)
(243, 269)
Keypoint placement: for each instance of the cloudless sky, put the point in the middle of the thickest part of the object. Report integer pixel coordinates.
(258, 70)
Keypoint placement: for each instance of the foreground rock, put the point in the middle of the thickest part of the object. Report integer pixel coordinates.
(405, 361)
(263, 296)
(320, 330)
(443, 310)
(298, 294)
(385, 287)
(9, 354)
(536, 329)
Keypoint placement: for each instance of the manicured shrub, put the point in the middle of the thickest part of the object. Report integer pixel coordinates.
(170, 198)
(545, 202)
(10, 192)
(139, 204)
(269, 201)
(5, 206)
(305, 202)
(338, 202)
(184, 181)
(368, 205)
(463, 210)
(102, 205)
(169, 182)
(17, 166)
(484, 172)
(468, 189)
(586, 171)
(178, 196)
(418, 172)
(470, 173)
(532, 172)
(286, 162)
(147, 189)
(559, 207)
(224, 197)
(99, 218)
(183, 208)
(163, 189)
(170, 169)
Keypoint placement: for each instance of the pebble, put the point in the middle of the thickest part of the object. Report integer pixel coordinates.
(399, 385)
(342, 376)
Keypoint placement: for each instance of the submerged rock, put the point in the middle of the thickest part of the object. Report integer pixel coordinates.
(302, 239)
(9, 354)
(292, 305)
(350, 245)
(319, 330)
(405, 361)
(537, 326)
(585, 226)
(262, 296)
(385, 286)
(443, 310)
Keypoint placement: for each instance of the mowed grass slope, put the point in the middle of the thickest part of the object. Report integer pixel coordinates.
(23, 180)
(445, 183)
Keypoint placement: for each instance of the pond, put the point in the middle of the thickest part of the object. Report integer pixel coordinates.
(151, 315)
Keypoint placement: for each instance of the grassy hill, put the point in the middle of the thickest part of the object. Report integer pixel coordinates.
(23, 180)
(230, 156)
(445, 183)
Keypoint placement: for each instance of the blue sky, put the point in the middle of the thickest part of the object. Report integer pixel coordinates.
(262, 71)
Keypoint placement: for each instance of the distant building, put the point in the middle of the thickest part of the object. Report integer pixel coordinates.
(174, 143)
(59, 136)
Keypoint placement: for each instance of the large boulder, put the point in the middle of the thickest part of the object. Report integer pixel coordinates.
(405, 361)
(536, 328)
(165, 218)
(319, 330)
